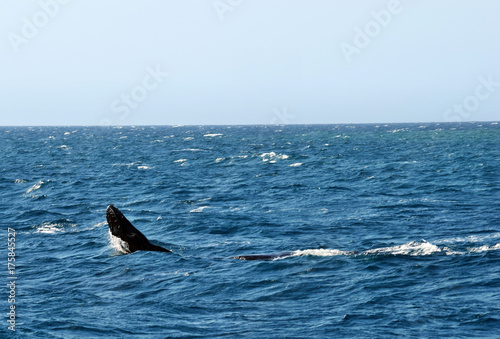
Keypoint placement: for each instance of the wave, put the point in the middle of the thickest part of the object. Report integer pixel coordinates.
(470, 238)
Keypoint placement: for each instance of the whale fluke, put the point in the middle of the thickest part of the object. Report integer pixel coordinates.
(120, 227)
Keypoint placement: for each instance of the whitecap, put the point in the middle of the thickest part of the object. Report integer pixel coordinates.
(99, 224)
(143, 167)
(211, 135)
(35, 187)
(124, 164)
(272, 157)
(297, 164)
(198, 210)
(398, 130)
(484, 248)
(181, 160)
(51, 228)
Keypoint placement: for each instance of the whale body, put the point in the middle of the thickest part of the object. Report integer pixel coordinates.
(134, 240)
(265, 257)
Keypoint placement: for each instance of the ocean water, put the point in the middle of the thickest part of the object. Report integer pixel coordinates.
(393, 230)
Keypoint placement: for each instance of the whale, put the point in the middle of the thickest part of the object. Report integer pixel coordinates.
(264, 257)
(132, 239)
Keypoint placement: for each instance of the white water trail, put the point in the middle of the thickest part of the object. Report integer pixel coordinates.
(412, 248)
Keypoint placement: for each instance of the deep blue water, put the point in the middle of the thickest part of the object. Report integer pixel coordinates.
(394, 230)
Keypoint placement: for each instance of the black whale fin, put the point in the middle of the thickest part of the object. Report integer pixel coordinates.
(120, 227)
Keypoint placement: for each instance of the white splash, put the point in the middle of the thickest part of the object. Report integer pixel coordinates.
(484, 248)
(413, 248)
(470, 238)
(118, 244)
(320, 253)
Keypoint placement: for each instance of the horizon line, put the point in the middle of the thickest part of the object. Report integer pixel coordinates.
(265, 125)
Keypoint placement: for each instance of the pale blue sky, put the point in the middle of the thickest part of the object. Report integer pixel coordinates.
(124, 62)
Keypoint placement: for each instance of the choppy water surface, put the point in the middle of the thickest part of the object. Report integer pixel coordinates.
(390, 229)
